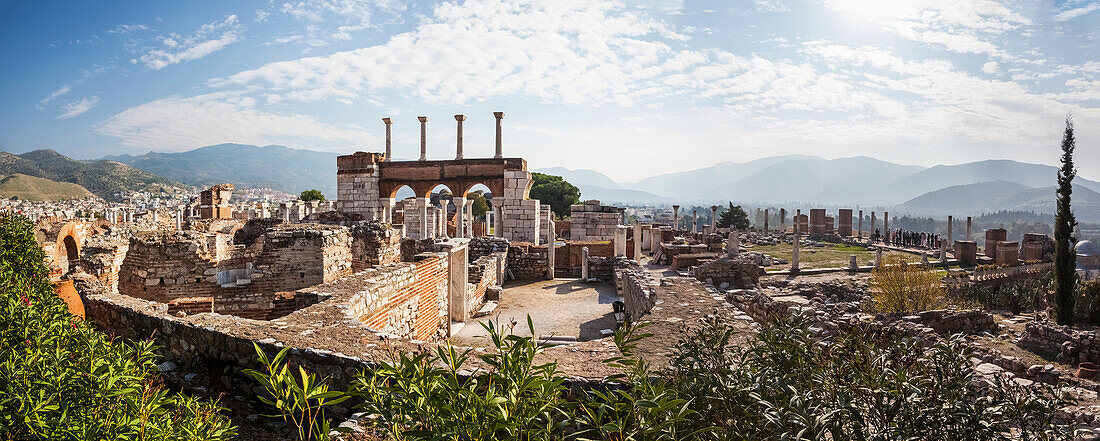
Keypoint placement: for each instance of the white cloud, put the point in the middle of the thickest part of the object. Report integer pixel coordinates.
(350, 15)
(261, 16)
(55, 95)
(771, 6)
(1071, 14)
(127, 28)
(176, 124)
(958, 26)
(991, 67)
(208, 39)
(78, 107)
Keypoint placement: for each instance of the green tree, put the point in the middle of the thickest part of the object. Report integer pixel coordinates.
(312, 195)
(480, 204)
(556, 192)
(1065, 262)
(734, 218)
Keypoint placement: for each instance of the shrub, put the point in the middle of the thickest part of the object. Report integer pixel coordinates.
(787, 385)
(299, 402)
(901, 287)
(61, 379)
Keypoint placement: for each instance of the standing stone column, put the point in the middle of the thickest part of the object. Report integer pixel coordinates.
(470, 220)
(446, 219)
(924, 257)
(675, 217)
(638, 241)
(765, 220)
(782, 220)
(968, 220)
(794, 252)
(733, 246)
(713, 218)
(498, 221)
(550, 248)
(460, 222)
(423, 137)
(389, 145)
(885, 222)
(424, 217)
(584, 263)
(179, 220)
(878, 256)
(387, 210)
(488, 222)
(872, 230)
(500, 150)
(694, 222)
(620, 241)
(853, 263)
(860, 231)
(950, 221)
(458, 147)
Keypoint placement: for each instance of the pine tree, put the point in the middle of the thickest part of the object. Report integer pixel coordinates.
(734, 218)
(1065, 262)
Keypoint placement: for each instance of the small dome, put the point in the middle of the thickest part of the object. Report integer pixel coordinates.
(1085, 248)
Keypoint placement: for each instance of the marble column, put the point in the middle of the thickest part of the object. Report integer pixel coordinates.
(694, 222)
(733, 246)
(584, 263)
(620, 241)
(469, 218)
(794, 252)
(458, 147)
(387, 210)
(637, 241)
(765, 220)
(878, 256)
(446, 219)
(460, 222)
(885, 221)
(389, 140)
(713, 218)
(500, 150)
(872, 230)
(423, 137)
(968, 223)
(675, 217)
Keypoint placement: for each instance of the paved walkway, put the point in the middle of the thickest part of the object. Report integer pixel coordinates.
(560, 307)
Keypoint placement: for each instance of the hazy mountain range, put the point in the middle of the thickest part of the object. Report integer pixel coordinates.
(963, 189)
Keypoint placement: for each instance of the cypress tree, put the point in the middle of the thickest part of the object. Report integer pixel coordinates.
(1065, 261)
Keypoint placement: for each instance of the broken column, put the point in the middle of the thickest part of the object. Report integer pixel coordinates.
(424, 217)
(584, 263)
(620, 241)
(782, 220)
(733, 245)
(794, 253)
(872, 230)
(878, 256)
(713, 218)
(966, 252)
(885, 221)
(638, 241)
(844, 222)
(423, 137)
(950, 221)
(498, 221)
(458, 147)
(694, 222)
(470, 218)
(859, 232)
(500, 150)
(389, 145)
(968, 220)
(853, 263)
(765, 220)
(675, 217)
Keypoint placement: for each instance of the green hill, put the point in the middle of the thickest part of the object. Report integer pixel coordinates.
(30, 188)
(101, 177)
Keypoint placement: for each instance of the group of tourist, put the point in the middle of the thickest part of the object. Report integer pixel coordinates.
(908, 239)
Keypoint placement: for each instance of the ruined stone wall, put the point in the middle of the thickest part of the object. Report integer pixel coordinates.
(404, 299)
(481, 274)
(1065, 343)
(591, 221)
(526, 261)
(520, 215)
(729, 273)
(357, 184)
(637, 287)
(374, 244)
(167, 266)
(484, 246)
(411, 247)
(103, 257)
(601, 267)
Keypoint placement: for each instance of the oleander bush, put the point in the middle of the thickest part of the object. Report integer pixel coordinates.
(902, 287)
(60, 379)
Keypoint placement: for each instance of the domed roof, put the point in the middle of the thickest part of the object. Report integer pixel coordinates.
(1085, 248)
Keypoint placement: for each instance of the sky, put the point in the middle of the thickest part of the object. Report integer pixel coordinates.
(628, 88)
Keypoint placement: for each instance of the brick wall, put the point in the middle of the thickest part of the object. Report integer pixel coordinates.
(526, 261)
(405, 299)
(374, 244)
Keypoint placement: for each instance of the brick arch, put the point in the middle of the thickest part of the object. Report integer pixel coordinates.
(69, 244)
(496, 187)
(390, 189)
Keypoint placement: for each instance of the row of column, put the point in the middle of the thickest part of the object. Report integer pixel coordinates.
(464, 220)
(424, 137)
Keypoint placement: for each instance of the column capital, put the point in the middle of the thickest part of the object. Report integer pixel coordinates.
(499, 115)
(388, 121)
(422, 118)
(460, 118)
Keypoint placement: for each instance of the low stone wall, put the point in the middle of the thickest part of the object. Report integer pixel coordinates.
(481, 274)
(591, 221)
(637, 287)
(685, 261)
(484, 246)
(1065, 343)
(374, 244)
(601, 267)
